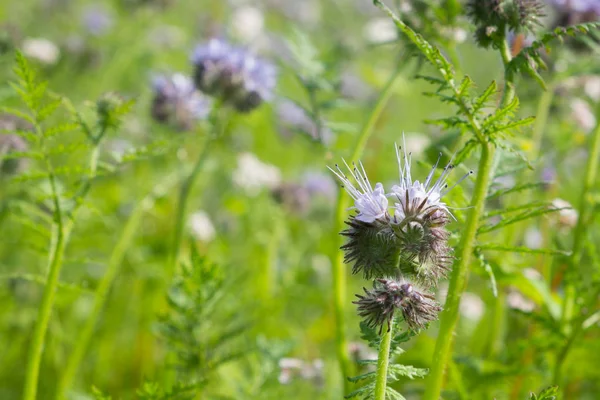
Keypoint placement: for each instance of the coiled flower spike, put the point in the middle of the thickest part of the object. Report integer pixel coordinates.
(378, 305)
(233, 75)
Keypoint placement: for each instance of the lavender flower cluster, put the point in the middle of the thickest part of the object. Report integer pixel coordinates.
(231, 75)
(403, 248)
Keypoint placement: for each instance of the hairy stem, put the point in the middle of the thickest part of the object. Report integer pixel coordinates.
(459, 275)
(460, 271)
(337, 259)
(383, 360)
(568, 308)
(101, 294)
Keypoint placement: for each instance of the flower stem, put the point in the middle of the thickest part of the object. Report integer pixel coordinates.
(568, 308)
(383, 360)
(460, 271)
(184, 194)
(459, 275)
(101, 295)
(337, 260)
(61, 232)
(59, 240)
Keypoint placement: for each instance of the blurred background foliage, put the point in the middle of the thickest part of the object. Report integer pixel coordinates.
(251, 315)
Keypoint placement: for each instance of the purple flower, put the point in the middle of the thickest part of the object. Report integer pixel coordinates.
(576, 11)
(233, 75)
(176, 101)
(97, 20)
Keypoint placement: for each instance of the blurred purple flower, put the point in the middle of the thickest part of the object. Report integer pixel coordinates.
(177, 101)
(97, 20)
(320, 184)
(293, 118)
(233, 74)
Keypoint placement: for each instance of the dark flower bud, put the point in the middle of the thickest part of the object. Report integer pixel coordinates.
(233, 75)
(493, 17)
(293, 197)
(177, 102)
(372, 248)
(377, 306)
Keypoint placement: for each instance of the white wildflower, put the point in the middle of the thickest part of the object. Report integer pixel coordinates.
(583, 115)
(247, 23)
(517, 301)
(201, 227)
(567, 216)
(380, 30)
(471, 306)
(41, 49)
(252, 174)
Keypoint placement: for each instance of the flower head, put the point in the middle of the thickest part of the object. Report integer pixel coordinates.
(370, 203)
(413, 240)
(177, 101)
(378, 305)
(233, 74)
(493, 17)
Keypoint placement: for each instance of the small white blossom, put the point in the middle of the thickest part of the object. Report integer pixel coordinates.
(247, 23)
(583, 115)
(567, 216)
(471, 306)
(201, 227)
(41, 49)
(252, 174)
(517, 301)
(371, 203)
(380, 30)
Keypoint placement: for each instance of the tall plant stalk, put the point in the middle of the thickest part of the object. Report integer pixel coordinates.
(383, 360)
(61, 231)
(568, 309)
(337, 259)
(101, 293)
(182, 202)
(460, 271)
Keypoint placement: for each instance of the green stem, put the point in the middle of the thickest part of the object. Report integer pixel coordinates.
(383, 360)
(460, 271)
(568, 308)
(129, 232)
(459, 275)
(541, 118)
(184, 194)
(60, 237)
(337, 259)
(59, 240)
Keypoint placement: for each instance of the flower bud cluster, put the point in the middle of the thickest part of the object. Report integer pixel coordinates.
(408, 240)
(177, 102)
(494, 17)
(233, 75)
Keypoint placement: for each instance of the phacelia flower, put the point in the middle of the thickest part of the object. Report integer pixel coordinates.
(177, 102)
(233, 75)
(495, 16)
(576, 11)
(370, 203)
(378, 305)
(411, 238)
